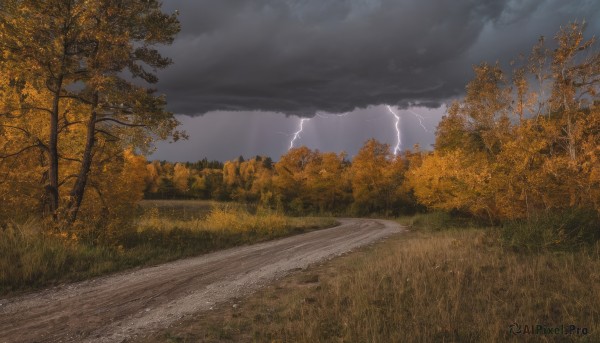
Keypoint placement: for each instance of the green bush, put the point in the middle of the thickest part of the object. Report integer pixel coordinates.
(439, 220)
(555, 230)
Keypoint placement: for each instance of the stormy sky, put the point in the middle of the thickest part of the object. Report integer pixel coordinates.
(245, 70)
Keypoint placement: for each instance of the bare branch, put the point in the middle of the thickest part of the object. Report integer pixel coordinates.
(120, 122)
(42, 145)
(19, 152)
(72, 176)
(69, 159)
(108, 134)
(37, 109)
(69, 124)
(75, 97)
(27, 133)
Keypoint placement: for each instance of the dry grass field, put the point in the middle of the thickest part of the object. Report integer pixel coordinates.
(160, 231)
(447, 286)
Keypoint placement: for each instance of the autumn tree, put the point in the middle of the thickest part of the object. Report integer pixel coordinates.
(290, 177)
(208, 184)
(377, 177)
(459, 175)
(515, 146)
(68, 92)
(247, 180)
(327, 182)
(109, 200)
(181, 177)
(153, 171)
(306, 180)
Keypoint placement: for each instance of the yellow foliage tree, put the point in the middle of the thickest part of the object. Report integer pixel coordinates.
(508, 150)
(377, 177)
(181, 177)
(63, 94)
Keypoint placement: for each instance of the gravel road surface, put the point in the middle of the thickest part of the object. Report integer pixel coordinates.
(127, 304)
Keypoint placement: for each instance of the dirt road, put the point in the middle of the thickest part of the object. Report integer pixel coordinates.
(113, 308)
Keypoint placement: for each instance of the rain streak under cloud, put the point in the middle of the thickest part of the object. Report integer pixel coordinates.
(263, 58)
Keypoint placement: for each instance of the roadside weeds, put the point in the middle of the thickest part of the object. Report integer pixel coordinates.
(452, 286)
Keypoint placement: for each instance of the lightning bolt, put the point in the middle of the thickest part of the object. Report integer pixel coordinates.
(297, 133)
(420, 118)
(398, 146)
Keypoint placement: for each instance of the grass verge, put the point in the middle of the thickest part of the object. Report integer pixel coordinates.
(427, 286)
(32, 259)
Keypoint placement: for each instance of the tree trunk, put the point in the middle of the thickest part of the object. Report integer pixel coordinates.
(44, 206)
(78, 190)
(52, 187)
(571, 139)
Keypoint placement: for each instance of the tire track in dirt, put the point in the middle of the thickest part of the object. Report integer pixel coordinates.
(123, 305)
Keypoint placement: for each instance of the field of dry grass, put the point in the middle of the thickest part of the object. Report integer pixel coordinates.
(448, 286)
(161, 231)
(222, 217)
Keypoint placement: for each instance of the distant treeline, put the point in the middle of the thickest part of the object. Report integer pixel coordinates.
(302, 181)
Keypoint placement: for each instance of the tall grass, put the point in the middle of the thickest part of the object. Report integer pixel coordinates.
(570, 229)
(31, 257)
(220, 219)
(185, 209)
(440, 220)
(451, 286)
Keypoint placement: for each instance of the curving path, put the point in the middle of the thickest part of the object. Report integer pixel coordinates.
(119, 306)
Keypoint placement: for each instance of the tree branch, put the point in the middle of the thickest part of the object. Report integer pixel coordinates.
(69, 124)
(42, 145)
(27, 133)
(69, 159)
(67, 179)
(108, 134)
(75, 97)
(19, 152)
(10, 116)
(120, 122)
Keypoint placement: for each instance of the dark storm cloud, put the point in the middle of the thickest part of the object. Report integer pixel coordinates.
(303, 56)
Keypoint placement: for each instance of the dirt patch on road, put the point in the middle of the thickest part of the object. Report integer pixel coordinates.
(111, 309)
